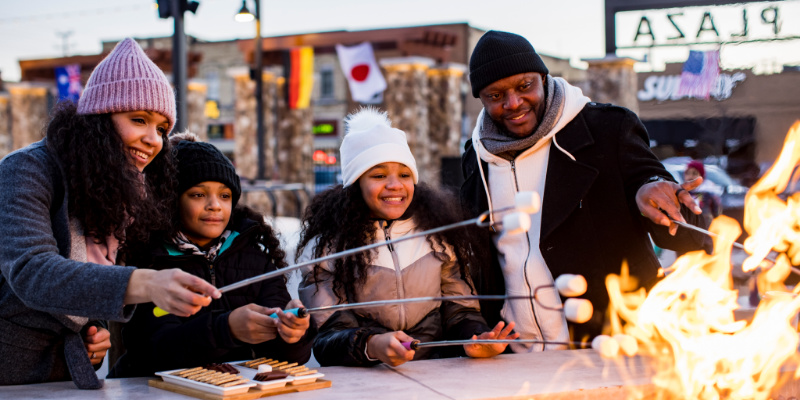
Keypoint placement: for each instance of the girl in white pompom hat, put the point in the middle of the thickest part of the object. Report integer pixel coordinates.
(381, 199)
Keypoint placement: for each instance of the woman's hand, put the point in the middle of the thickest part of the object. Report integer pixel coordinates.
(252, 323)
(491, 349)
(291, 327)
(97, 342)
(387, 348)
(173, 290)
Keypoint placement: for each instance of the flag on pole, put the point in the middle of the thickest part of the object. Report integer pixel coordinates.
(298, 64)
(68, 80)
(700, 73)
(363, 74)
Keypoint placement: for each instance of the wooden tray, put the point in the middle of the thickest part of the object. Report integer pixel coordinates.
(252, 394)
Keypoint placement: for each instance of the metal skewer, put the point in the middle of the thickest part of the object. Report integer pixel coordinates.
(302, 312)
(479, 221)
(735, 244)
(416, 344)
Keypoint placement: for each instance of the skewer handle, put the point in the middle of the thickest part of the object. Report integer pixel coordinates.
(299, 312)
(412, 345)
(159, 312)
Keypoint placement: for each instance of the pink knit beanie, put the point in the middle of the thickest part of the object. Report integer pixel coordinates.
(127, 80)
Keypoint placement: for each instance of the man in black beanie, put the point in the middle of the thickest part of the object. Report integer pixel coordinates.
(601, 190)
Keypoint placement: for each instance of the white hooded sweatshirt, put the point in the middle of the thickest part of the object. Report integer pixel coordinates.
(524, 268)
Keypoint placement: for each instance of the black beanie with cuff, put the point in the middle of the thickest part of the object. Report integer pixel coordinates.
(499, 55)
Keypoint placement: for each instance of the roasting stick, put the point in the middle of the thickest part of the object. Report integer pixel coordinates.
(302, 312)
(416, 344)
(735, 244)
(519, 221)
(568, 285)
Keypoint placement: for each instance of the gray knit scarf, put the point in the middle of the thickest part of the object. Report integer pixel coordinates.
(501, 143)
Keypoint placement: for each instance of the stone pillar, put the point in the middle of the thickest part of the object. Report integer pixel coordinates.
(29, 114)
(246, 145)
(196, 105)
(5, 125)
(445, 112)
(406, 100)
(295, 144)
(612, 80)
(245, 141)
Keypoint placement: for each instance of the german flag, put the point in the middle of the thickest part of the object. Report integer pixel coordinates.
(298, 64)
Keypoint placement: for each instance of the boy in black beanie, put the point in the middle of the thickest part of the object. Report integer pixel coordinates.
(223, 244)
(602, 190)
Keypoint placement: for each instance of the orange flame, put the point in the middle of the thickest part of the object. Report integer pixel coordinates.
(686, 325)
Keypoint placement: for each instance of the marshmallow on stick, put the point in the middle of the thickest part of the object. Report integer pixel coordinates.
(527, 202)
(516, 223)
(578, 310)
(570, 285)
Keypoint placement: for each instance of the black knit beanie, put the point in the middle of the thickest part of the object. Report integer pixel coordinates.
(201, 162)
(499, 55)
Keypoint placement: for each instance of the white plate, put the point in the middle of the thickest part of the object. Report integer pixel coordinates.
(303, 379)
(205, 387)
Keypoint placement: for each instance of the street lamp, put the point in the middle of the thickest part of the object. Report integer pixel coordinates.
(176, 9)
(244, 15)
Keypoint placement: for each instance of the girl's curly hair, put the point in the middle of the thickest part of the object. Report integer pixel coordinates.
(267, 235)
(106, 192)
(341, 220)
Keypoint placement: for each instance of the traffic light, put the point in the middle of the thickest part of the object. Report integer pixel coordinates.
(165, 7)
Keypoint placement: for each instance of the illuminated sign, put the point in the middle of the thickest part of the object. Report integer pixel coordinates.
(665, 87)
(325, 128)
(737, 23)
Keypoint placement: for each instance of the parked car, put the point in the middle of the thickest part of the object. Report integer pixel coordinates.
(731, 192)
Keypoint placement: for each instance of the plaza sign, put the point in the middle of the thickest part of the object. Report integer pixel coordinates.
(665, 87)
(736, 23)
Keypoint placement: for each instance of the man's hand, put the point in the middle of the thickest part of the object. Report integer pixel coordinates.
(97, 342)
(252, 323)
(291, 327)
(490, 350)
(387, 348)
(654, 197)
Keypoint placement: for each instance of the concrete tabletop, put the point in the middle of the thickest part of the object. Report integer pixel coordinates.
(506, 376)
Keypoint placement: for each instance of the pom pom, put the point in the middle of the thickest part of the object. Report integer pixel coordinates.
(176, 138)
(366, 119)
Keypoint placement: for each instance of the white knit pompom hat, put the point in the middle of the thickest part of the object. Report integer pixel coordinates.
(370, 140)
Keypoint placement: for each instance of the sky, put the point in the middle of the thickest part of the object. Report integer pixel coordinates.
(571, 29)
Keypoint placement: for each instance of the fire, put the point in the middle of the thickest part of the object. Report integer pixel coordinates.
(686, 326)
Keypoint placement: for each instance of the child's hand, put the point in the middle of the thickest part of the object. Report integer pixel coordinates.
(252, 324)
(493, 349)
(97, 342)
(387, 348)
(291, 327)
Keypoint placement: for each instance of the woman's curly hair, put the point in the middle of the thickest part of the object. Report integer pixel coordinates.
(341, 220)
(106, 192)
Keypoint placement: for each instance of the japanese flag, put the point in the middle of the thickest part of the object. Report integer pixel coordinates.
(363, 74)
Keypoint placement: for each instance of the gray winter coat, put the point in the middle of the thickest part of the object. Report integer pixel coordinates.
(48, 292)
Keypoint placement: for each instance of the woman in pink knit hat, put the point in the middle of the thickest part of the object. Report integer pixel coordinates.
(97, 184)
